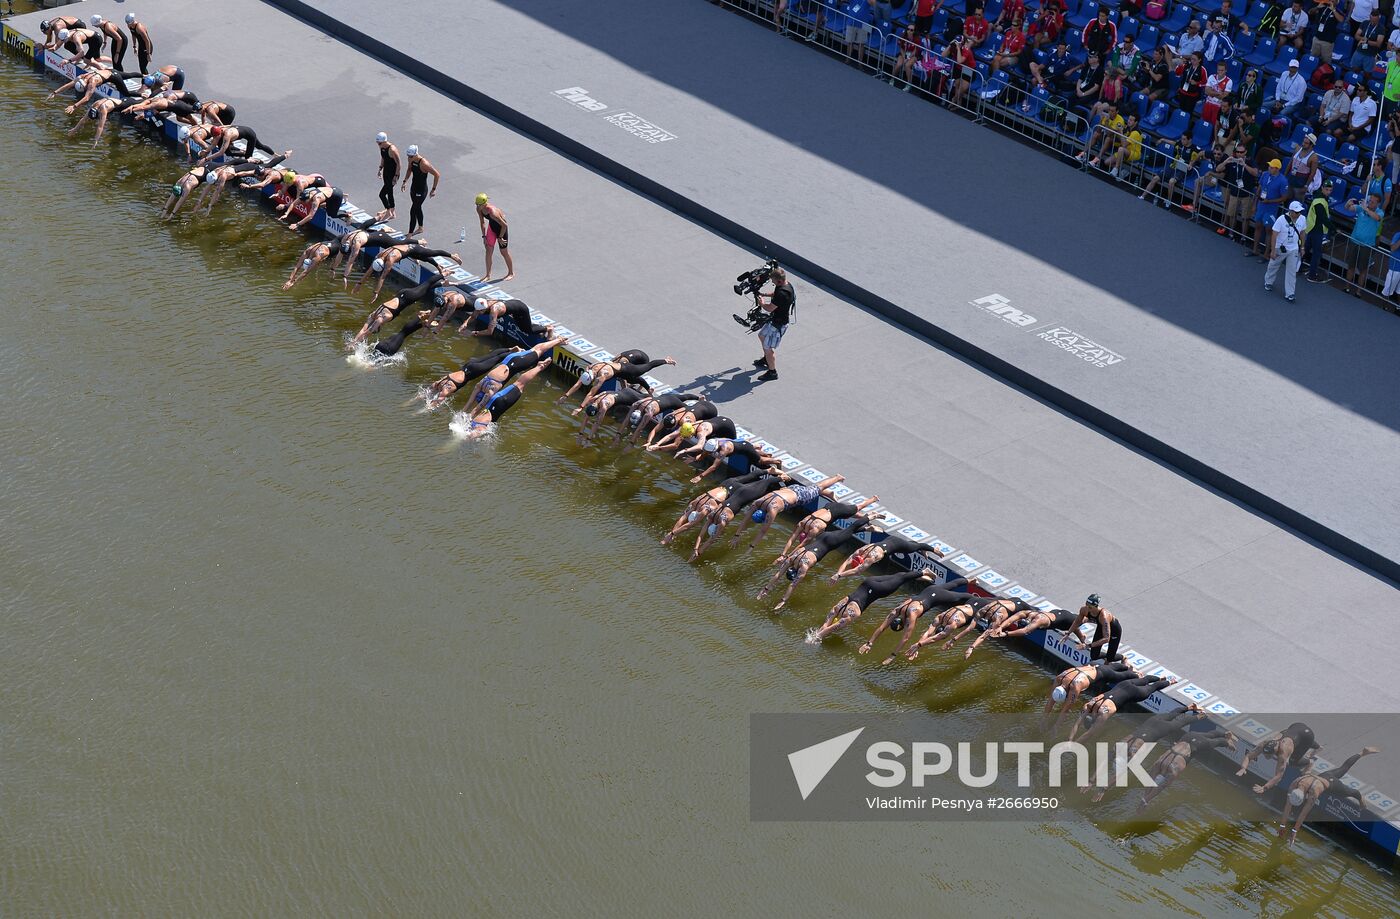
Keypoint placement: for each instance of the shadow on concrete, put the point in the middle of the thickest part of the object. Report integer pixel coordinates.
(724, 385)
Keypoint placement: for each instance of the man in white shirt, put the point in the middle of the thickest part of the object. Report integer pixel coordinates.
(1293, 26)
(1290, 89)
(1363, 115)
(1191, 40)
(1360, 12)
(1285, 244)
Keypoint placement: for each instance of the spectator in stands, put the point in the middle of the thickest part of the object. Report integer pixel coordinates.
(1273, 191)
(1184, 161)
(1056, 75)
(1302, 166)
(1293, 26)
(1232, 22)
(1363, 238)
(1235, 176)
(912, 45)
(1392, 274)
(964, 64)
(1250, 93)
(779, 14)
(1114, 92)
(1392, 125)
(1217, 48)
(1154, 77)
(1013, 51)
(1101, 35)
(1191, 40)
(1285, 244)
(1360, 11)
(923, 15)
(1046, 27)
(1318, 229)
(1290, 90)
(1362, 120)
(1089, 82)
(1218, 87)
(1329, 19)
(1129, 153)
(1370, 42)
(975, 28)
(1224, 125)
(1334, 113)
(1127, 57)
(884, 11)
(858, 29)
(1011, 11)
(1107, 133)
(1245, 132)
(1193, 80)
(1379, 184)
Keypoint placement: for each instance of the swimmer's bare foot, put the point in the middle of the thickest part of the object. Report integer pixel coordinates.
(509, 277)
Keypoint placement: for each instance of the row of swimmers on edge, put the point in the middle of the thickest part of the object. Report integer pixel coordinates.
(690, 427)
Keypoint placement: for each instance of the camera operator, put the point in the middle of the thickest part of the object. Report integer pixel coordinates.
(777, 308)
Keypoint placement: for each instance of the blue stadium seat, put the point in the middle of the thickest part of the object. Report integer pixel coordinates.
(1137, 104)
(1148, 37)
(1234, 69)
(1207, 6)
(1307, 64)
(1342, 49)
(1280, 63)
(1294, 140)
(1175, 127)
(1327, 147)
(1263, 53)
(1341, 191)
(1035, 102)
(1087, 11)
(1164, 155)
(1243, 45)
(994, 87)
(1176, 20)
(1157, 115)
(1201, 135)
(1255, 15)
(1129, 26)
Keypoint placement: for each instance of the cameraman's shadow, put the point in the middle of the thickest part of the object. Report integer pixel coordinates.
(724, 385)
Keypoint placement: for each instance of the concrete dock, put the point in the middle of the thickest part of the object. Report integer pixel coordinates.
(1203, 584)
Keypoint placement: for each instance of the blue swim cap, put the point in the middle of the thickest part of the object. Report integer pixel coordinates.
(306, 263)
(690, 517)
(710, 530)
(149, 80)
(758, 515)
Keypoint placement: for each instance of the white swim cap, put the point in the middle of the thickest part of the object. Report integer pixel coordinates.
(95, 19)
(635, 417)
(377, 264)
(710, 530)
(412, 149)
(183, 133)
(481, 303)
(586, 377)
(306, 263)
(210, 177)
(130, 18)
(1295, 797)
(711, 446)
(1059, 694)
(380, 137)
(690, 517)
(63, 34)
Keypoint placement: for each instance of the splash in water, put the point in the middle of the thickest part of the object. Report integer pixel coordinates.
(462, 427)
(364, 355)
(814, 637)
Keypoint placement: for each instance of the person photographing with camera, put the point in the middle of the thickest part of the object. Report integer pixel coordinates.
(772, 314)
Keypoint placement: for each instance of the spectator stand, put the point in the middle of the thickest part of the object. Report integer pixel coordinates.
(1177, 145)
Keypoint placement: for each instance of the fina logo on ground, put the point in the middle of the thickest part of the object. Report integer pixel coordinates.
(1086, 349)
(630, 122)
